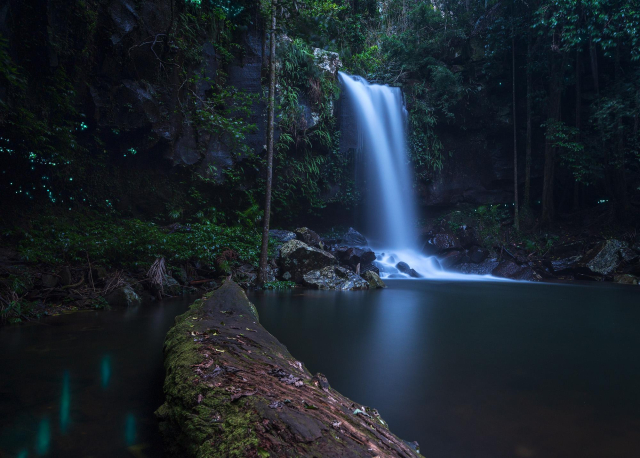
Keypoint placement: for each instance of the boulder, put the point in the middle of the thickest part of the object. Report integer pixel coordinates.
(374, 280)
(369, 268)
(450, 259)
(352, 256)
(626, 279)
(565, 265)
(406, 269)
(353, 238)
(441, 242)
(281, 236)
(306, 235)
(297, 258)
(509, 269)
(628, 255)
(334, 278)
(477, 254)
(468, 236)
(606, 257)
(123, 297)
(171, 287)
(484, 268)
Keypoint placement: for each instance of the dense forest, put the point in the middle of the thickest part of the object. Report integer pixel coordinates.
(124, 122)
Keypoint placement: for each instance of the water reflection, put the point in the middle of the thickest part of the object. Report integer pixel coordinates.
(105, 370)
(90, 409)
(65, 403)
(478, 369)
(43, 439)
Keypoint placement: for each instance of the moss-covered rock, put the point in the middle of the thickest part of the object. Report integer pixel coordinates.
(233, 390)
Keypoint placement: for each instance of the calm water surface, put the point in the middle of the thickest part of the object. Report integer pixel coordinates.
(479, 369)
(85, 384)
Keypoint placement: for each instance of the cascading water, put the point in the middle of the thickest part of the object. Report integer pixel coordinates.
(391, 206)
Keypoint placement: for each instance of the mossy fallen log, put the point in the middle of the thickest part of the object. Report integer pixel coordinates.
(233, 390)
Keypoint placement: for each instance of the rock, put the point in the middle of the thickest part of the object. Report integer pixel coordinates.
(566, 265)
(506, 269)
(281, 236)
(628, 255)
(353, 238)
(605, 258)
(484, 268)
(171, 287)
(327, 61)
(374, 280)
(180, 274)
(441, 242)
(306, 235)
(49, 281)
(352, 256)
(450, 259)
(467, 236)
(626, 279)
(369, 267)
(477, 254)
(123, 297)
(297, 258)
(334, 278)
(405, 269)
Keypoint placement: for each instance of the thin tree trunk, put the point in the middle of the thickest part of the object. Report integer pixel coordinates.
(593, 54)
(262, 274)
(576, 183)
(527, 169)
(555, 96)
(516, 214)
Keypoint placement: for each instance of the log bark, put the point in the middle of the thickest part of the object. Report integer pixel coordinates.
(233, 390)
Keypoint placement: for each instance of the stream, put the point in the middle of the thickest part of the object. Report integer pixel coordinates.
(468, 369)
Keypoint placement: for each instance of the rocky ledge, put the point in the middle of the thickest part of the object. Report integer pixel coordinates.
(233, 390)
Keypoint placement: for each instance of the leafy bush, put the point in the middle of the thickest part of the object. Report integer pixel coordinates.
(131, 243)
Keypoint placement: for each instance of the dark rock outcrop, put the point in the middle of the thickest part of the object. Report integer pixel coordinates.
(335, 278)
(306, 235)
(605, 258)
(232, 389)
(353, 238)
(297, 258)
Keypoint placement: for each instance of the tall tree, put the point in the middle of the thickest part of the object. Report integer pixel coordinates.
(516, 215)
(262, 273)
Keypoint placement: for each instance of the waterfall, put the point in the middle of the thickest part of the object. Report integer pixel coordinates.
(381, 120)
(390, 202)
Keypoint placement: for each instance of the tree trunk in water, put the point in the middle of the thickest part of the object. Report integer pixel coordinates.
(555, 96)
(516, 215)
(527, 170)
(262, 273)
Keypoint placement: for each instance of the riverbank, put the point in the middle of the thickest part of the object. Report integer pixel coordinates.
(232, 389)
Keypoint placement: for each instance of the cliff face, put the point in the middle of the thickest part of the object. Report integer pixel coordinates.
(132, 70)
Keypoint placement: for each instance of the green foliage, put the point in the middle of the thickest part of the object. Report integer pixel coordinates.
(132, 242)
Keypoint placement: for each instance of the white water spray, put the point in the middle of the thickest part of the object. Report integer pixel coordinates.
(381, 121)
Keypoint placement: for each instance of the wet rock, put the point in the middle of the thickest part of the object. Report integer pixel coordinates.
(374, 280)
(441, 242)
(626, 279)
(334, 278)
(49, 281)
(484, 268)
(353, 238)
(509, 269)
(566, 265)
(306, 235)
(123, 297)
(297, 258)
(369, 267)
(352, 256)
(450, 259)
(605, 258)
(406, 269)
(281, 236)
(477, 254)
